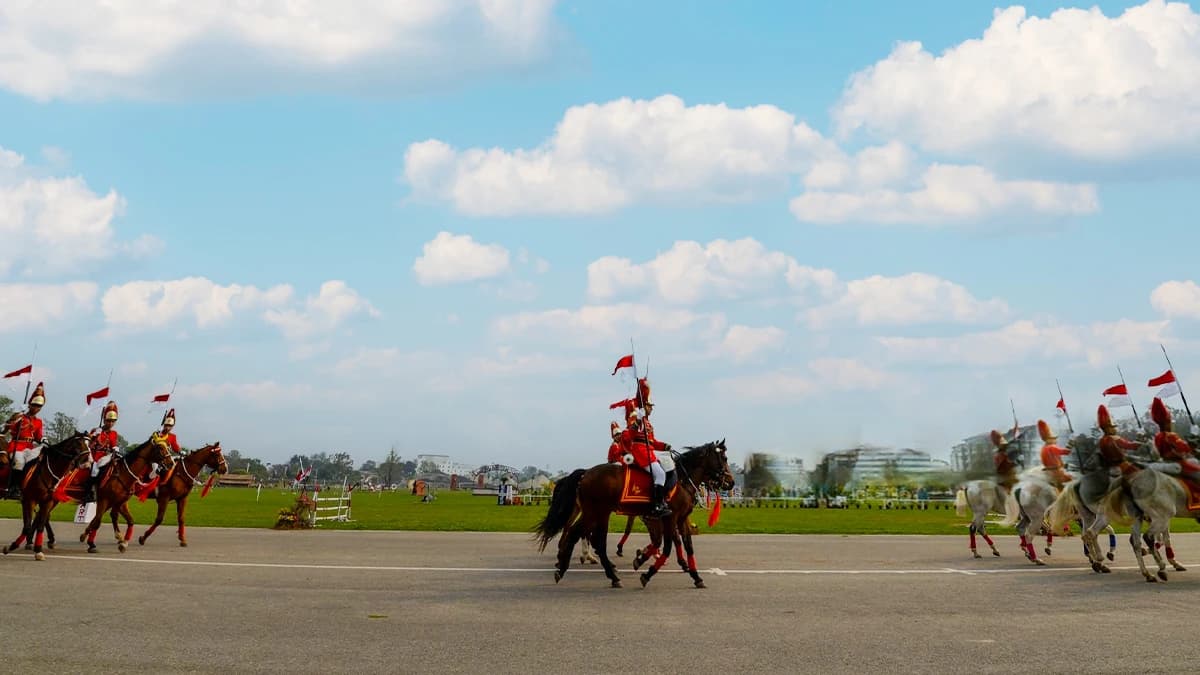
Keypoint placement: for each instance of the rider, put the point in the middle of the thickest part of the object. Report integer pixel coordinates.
(1006, 470)
(105, 444)
(1172, 447)
(1112, 446)
(168, 436)
(1052, 454)
(25, 439)
(645, 436)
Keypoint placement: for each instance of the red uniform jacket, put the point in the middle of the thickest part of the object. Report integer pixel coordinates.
(24, 431)
(173, 443)
(635, 441)
(1112, 451)
(1172, 447)
(1052, 456)
(104, 442)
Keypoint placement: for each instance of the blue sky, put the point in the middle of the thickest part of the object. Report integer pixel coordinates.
(437, 225)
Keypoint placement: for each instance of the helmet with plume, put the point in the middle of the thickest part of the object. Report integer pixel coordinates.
(1160, 414)
(39, 395)
(1046, 432)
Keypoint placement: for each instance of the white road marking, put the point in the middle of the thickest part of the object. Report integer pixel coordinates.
(579, 569)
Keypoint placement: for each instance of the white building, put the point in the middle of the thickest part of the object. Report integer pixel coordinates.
(446, 465)
(872, 464)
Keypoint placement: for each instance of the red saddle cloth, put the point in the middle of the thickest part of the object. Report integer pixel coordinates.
(73, 485)
(1193, 489)
(637, 490)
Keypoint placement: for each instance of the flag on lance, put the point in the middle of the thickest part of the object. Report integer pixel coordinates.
(302, 474)
(1118, 396)
(1061, 407)
(623, 362)
(20, 371)
(1169, 385)
(161, 398)
(97, 395)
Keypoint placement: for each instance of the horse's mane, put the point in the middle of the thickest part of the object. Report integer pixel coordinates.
(692, 453)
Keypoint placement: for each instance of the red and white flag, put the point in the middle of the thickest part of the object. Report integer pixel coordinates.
(1170, 386)
(96, 395)
(161, 398)
(1061, 406)
(623, 362)
(1118, 396)
(20, 371)
(302, 474)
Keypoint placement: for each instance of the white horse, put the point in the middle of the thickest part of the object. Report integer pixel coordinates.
(983, 497)
(1033, 494)
(1083, 500)
(1152, 498)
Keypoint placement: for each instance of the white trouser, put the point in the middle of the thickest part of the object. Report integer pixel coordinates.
(656, 470)
(21, 457)
(100, 464)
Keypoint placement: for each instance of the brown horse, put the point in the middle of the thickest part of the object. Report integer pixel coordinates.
(37, 489)
(176, 488)
(583, 502)
(125, 475)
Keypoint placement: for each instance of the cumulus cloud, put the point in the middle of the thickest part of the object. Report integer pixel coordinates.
(450, 258)
(177, 49)
(322, 313)
(1025, 341)
(260, 394)
(140, 305)
(820, 375)
(908, 299)
(55, 224)
(42, 306)
(606, 324)
(1177, 299)
(744, 343)
(689, 273)
(1077, 82)
(603, 156)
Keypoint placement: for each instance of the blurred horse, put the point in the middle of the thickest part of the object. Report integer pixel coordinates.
(1083, 500)
(1150, 498)
(37, 489)
(1033, 494)
(984, 497)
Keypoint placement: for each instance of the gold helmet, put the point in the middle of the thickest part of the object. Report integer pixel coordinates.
(110, 412)
(169, 418)
(998, 440)
(39, 395)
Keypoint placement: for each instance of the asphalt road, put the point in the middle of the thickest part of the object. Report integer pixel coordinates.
(240, 600)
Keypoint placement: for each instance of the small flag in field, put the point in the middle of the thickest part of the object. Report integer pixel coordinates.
(20, 371)
(96, 395)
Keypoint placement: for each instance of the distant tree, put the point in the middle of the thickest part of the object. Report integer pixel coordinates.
(61, 427)
(408, 468)
(427, 466)
(529, 473)
(759, 478)
(7, 408)
(369, 466)
(391, 469)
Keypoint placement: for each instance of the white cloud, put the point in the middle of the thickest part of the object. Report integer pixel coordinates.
(54, 224)
(133, 369)
(744, 343)
(1077, 82)
(177, 49)
(689, 273)
(450, 258)
(261, 394)
(908, 299)
(322, 313)
(828, 374)
(944, 194)
(1096, 344)
(608, 324)
(1177, 299)
(140, 305)
(42, 306)
(605, 156)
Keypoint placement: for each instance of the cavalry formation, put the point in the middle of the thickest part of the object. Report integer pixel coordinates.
(90, 468)
(1144, 483)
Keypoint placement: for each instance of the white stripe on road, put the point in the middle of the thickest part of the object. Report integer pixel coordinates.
(591, 568)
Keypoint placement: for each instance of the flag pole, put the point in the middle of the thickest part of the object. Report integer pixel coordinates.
(29, 380)
(1070, 428)
(1131, 405)
(1177, 383)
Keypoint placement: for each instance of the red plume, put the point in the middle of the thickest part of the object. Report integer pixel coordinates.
(143, 493)
(60, 490)
(715, 515)
(1160, 414)
(208, 485)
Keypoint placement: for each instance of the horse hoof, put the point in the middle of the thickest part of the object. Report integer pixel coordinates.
(122, 546)
(1105, 570)
(39, 556)
(700, 583)
(558, 575)
(1178, 567)
(645, 579)
(5, 551)
(1162, 574)
(28, 547)
(620, 554)
(996, 553)
(1047, 551)
(617, 583)
(50, 546)
(1110, 556)
(91, 548)
(976, 554)
(1039, 561)
(183, 543)
(1096, 567)
(83, 537)
(142, 540)
(1151, 579)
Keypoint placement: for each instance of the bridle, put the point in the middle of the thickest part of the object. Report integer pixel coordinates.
(215, 449)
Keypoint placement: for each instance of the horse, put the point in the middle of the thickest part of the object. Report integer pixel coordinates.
(1082, 499)
(1033, 494)
(983, 497)
(583, 501)
(1152, 498)
(37, 489)
(176, 488)
(125, 475)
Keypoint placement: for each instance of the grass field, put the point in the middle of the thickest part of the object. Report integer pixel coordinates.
(460, 511)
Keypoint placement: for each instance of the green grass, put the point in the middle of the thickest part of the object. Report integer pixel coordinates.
(460, 511)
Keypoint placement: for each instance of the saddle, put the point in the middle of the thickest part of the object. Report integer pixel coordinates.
(636, 490)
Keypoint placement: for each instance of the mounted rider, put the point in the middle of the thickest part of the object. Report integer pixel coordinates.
(1006, 470)
(638, 441)
(1171, 446)
(25, 440)
(1112, 446)
(1052, 454)
(105, 444)
(168, 435)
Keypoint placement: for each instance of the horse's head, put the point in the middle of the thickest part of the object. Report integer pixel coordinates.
(157, 450)
(713, 465)
(76, 447)
(216, 458)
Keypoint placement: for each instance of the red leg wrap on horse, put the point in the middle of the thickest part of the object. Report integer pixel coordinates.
(988, 540)
(691, 562)
(1170, 553)
(129, 533)
(1049, 538)
(41, 537)
(972, 541)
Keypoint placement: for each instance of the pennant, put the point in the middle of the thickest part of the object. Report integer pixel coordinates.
(623, 362)
(1171, 389)
(1120, 401)
(622, 404)
(715, 514)
(98, 394)
(302, 474)
(20, 371)
(1116, 390)
(1062, 406)
(1159, 381)
(161, 398)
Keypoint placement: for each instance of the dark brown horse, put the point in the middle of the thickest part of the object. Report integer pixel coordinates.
(37, 489)
(583, 502)
(176, 488)
(125, 475)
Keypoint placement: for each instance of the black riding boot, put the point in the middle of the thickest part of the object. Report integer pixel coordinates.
(14, 483)
(90, 495)
(659, 495)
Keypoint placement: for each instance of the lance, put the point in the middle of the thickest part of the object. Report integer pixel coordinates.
(1070, 428)
(29, 381)
(1178, 384)
(1131, 405)
(637, 394)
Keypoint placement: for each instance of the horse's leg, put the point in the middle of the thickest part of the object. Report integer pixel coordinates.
(643, 554)
(625, 537)
(49, 535)
(566, 545)
(1135, 541)
(1171, 552)
(39, 524)
(600, 544)
(691, 559)
(1112, 542)
(94, 526)
(180, 506)
(667, 536)
(26, 521)
(158, 518)
(116, 528)
(123, 544)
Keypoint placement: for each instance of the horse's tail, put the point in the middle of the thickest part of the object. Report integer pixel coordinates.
(960, 502)
(1012, 507)
(1116, 502)
(562, 507)
(1065, 508)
